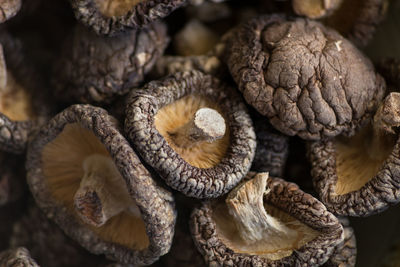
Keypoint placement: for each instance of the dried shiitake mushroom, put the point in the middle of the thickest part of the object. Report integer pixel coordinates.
(315, 9)
(306, 78)
(9, 8)
(18, 257)
(272, 148)
(357, 20)
(265, 222)
(22, 104)
(97, 69)
(194, 130)
(85, 176)
(346, 252)
(110, 17)
(360, 175)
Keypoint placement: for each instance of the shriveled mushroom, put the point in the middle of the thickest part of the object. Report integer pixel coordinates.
(110, 17)
(315, 9)
(22, 95)
(265, 222)
(17, 257)
(346, 252)
(306, 78)
(194, 130)
(85, 176)
(98, 69)
(9, 8)
(359, 176)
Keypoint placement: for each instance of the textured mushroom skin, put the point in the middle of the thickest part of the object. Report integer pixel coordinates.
(97, 69)
(155, 203)
(18, 257)
(345, 253)
(142, 14)
(14, 134)
(382, 191)
(307, 79)
(196, 182)
(301, 206)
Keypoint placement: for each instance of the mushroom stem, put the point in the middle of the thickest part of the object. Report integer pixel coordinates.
(102, 193)
(246, 205)
(386, 118)
(3, 70)
(206, 125)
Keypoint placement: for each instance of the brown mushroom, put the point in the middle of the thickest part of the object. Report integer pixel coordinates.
(265, 222)
(345, 253)
(97, 69)
(110, 17)
(315, 9)
(9, 8)
(85, 176)
(306, 78)
(359, 176)
(194, 130)
(17, 257)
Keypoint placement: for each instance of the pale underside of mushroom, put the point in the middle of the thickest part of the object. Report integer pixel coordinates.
(110, 8)
(246, 224)
(315, 8)
(15, 102)
(173, 117)
(83, 177)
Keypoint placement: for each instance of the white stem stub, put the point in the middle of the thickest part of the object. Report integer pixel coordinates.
(102, 193)
(246, 205)
(206, 125)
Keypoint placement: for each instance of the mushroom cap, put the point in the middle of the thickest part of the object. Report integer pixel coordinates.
(25, 108)
(377, 194)
(156, 205)
(345, 253)
(315, 9)
(98, 69)
(288, 198)
(306, 78)
(143, 105)
(141, 13)
(17, 257)
(9, 8)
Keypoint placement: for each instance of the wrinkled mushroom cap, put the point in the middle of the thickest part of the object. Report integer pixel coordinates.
(216, 237)
(213, 168)
(307, 79)
(17, 257)
(81, 131)
(9, 8)
(95, 69)
(110, 17)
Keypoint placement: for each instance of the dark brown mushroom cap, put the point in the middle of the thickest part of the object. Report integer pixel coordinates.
(358, 20)
(143, 105)
(380, 192)
(17, 257)
(288, 198)
(9, 8)
(156, 205)
(24, 109)
(97, 69)
(346, 252)
(307, 79)
(139, 15)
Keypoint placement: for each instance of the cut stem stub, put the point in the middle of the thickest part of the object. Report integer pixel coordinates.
(102, 193)
(246, 205)
(206, 125)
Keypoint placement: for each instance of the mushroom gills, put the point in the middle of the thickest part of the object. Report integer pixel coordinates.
(110, 8)
(182, 125)
(248, 225)
(70, 162)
